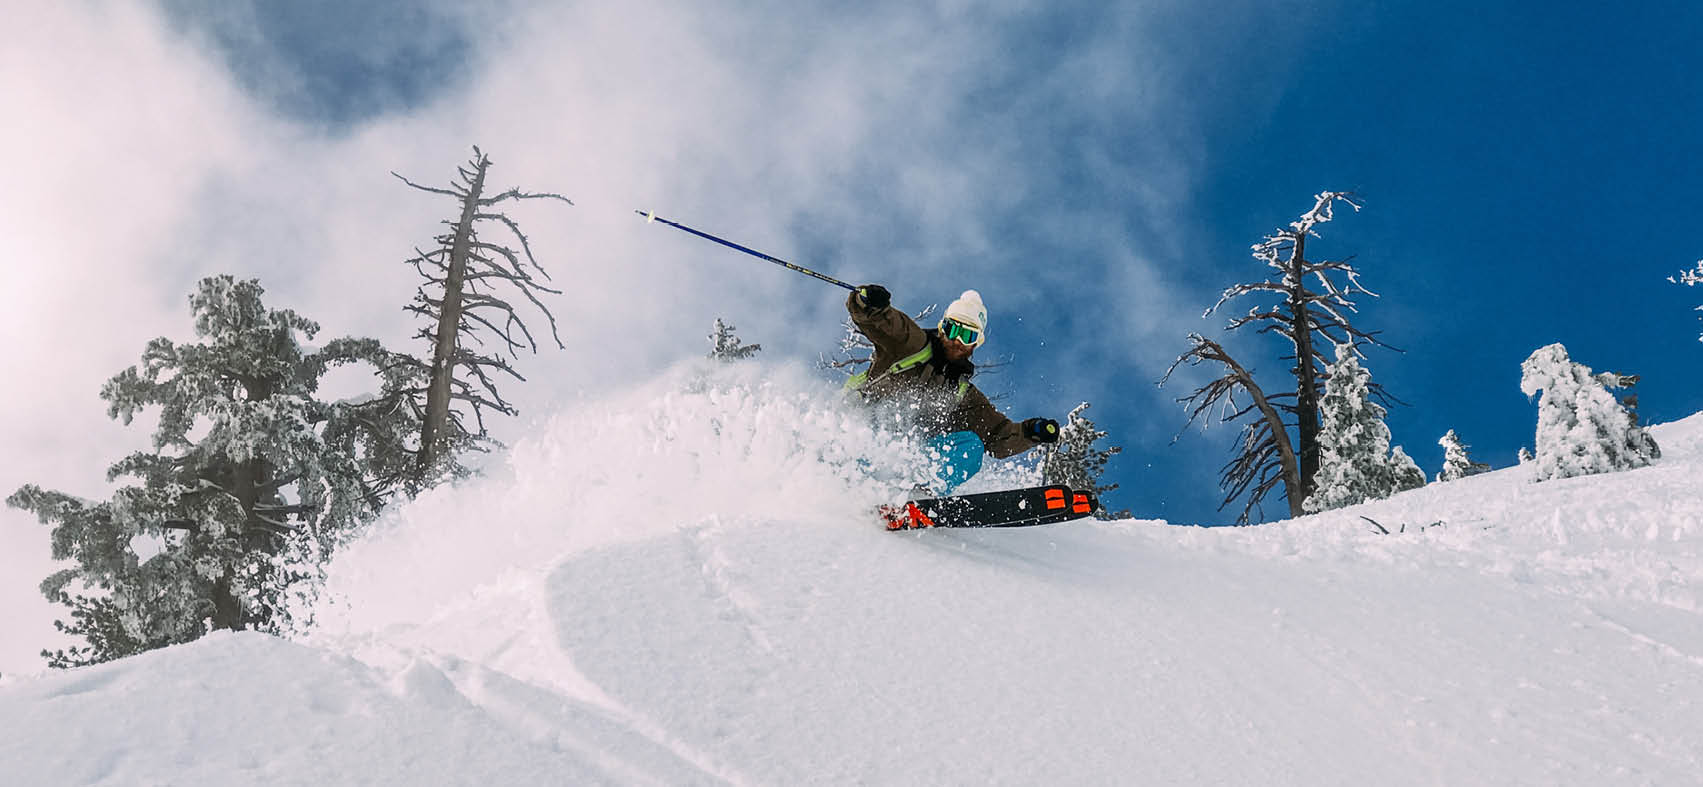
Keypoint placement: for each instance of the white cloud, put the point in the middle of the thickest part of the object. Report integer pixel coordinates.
(114, 131)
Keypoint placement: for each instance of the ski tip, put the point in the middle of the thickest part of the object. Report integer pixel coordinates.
(650, 216)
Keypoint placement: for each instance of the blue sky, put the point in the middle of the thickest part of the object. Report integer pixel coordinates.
(1098, 171)
(1525, 172)
(1530, 176)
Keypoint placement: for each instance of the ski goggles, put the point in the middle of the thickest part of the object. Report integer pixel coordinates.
(968, 334)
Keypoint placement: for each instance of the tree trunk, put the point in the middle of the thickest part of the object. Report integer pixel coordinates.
(1306, 377)
(227, 610)
(248, 479)
(449, 324)
(1288, 461)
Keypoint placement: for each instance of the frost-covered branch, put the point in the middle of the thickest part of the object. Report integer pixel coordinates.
(725, 345)
(445, 192)
(856, 351)
(1264, 457)
(1691, 278)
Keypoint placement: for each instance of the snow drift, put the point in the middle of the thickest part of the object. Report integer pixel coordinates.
(681, 584)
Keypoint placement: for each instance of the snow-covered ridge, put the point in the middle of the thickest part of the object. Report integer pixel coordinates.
(678, 584)
(1636, 535)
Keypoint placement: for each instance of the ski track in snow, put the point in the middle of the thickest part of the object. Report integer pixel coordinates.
(680, 586)
(719, 578)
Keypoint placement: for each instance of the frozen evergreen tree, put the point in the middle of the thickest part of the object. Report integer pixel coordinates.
(725, 346)
(1308, 302)
(1526, 457)
(1074, 461)
(1356, 463)
(1581, 428)
(242, 498)
(1405, 472)
(1691, 278)
(465, 304)
(1457, 464)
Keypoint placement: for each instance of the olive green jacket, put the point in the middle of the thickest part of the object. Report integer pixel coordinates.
(941, 393)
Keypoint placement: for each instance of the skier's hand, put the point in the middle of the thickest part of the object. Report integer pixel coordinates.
(1041, 430)
(873, 297)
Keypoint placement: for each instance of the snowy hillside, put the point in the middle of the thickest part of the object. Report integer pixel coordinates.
(680, 585)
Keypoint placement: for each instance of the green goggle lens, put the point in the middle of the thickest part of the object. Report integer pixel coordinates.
(961, 332)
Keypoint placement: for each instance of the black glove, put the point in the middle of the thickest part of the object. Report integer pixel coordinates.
(1041, 430)
(873, 297)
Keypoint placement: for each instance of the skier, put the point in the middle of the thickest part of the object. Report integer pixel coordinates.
(926, 375)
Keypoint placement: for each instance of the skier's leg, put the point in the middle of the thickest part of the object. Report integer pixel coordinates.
(957, 457)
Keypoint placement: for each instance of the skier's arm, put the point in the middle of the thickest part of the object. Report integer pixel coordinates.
(1003, 436)
(892, 332)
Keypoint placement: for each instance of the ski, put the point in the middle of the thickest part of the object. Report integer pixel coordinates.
(1038, 505)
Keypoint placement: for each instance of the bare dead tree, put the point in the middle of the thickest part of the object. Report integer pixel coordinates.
(1265, 455)
(460, 302)
(1311, 308)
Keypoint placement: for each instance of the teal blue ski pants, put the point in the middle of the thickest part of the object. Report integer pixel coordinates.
(957, 457)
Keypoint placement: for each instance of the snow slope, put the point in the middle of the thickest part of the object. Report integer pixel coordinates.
(674, 586)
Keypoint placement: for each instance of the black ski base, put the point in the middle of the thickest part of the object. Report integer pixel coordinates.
(1037, 505)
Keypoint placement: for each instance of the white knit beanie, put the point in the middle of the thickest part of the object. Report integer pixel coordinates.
(968, 309)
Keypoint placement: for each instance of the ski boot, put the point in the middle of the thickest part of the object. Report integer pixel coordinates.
(906, 516)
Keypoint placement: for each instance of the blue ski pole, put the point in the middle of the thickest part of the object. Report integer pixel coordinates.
(651, 216)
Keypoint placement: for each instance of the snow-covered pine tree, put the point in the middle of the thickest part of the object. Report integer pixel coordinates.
(1457, 464)
(463, 303)
(725, 346)
(1691, 278)
(1074, 461)
(1581, 428)
(1356, 463)
(1405, 472)
(242, 500)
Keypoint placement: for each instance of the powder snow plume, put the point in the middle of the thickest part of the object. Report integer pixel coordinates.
(751, 444)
